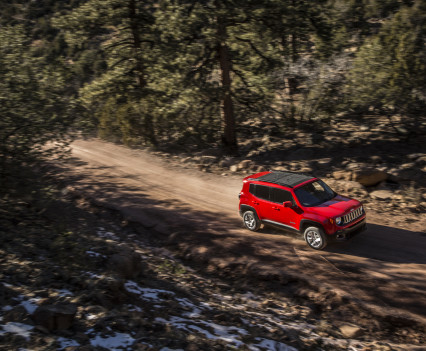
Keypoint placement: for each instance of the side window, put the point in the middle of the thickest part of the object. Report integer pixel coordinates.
(262, 192)
(280, 195)
(252, 189)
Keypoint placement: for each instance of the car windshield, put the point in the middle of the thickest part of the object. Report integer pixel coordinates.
(314, 194)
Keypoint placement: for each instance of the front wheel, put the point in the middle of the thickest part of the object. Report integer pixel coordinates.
(315, 238)
(251, 221)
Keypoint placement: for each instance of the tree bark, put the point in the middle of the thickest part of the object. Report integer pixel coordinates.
(229, 139)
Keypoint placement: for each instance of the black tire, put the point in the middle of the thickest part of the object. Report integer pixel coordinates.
(315, 238)
(251, 221)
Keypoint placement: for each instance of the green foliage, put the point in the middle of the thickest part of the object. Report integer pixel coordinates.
(32, 100)
(390, 68)
(116, 93)
(159, 71)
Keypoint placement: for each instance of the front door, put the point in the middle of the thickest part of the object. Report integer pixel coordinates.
(286, 216)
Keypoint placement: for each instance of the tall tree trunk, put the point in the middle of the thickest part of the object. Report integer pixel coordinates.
(229, 139)
(137, 48)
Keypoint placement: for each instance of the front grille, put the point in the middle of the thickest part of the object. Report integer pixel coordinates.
(351, 216)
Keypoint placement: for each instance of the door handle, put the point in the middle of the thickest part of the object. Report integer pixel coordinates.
(255, 203)
(275, 208)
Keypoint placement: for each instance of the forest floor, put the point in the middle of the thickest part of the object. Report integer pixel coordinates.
(131, 250)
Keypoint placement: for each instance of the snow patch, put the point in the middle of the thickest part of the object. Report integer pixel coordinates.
(94, 254)
(30, 305)
(196, 312)
(146, 293)
(231, 335)
(270, 345)
(64, 343)
(64, 292)
(118, 341)
(18, 329)
(134, 308)
(94, 275)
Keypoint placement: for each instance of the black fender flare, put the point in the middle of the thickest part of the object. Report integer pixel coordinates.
(305, 223)
(244, 208)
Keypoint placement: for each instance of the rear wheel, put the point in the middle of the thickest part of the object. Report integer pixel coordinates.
(251, 221)
(315, 238)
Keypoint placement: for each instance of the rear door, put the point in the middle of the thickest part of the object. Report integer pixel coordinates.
(260, 200)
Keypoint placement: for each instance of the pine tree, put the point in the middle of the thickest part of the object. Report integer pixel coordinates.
(390, 69)
(120, 32)
(216, 53)
(34, 105)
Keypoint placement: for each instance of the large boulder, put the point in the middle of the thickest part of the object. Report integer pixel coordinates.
(55, 317)
(369, 177)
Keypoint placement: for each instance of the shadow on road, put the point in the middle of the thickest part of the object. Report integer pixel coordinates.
(207, 236)
(386, 244)
(383, 243)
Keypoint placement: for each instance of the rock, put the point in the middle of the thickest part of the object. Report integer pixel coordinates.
(306, 169)
(133, 214)
(324, 162)
(402, 130)
(352, 187)
(421, 161)
(414, 156)
(16, 314)
(226, 162)
(127, 264)
(55, 317)
(383, 195)
(410, 174)
(350, 331)
(245, 164)
(369, 177)
(376, 159)
(207, 160)
(345, 175)
(260, 169)
(353, 166)
(233, 168)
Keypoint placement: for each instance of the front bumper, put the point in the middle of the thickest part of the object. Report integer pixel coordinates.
(349, 232)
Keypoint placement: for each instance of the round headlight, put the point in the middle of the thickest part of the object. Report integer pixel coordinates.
(338, 220)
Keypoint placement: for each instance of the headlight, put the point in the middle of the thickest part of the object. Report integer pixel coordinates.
(338, 220)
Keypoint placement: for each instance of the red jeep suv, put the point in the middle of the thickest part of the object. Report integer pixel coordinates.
(301, 203)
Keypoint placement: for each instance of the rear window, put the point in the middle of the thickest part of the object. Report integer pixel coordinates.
(270, 194)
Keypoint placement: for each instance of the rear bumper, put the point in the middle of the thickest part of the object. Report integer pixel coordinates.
(347, 233)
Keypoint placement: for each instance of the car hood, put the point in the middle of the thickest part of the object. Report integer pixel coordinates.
(335, 207)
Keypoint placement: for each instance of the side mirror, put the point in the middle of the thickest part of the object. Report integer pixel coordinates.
(287, 204)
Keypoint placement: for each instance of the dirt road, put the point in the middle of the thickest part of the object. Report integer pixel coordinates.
(384, 268)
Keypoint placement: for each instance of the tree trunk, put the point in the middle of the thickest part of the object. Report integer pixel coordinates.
(137, 48)
(229, 139)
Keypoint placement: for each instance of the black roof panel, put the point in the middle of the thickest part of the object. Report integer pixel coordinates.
(283, 178)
